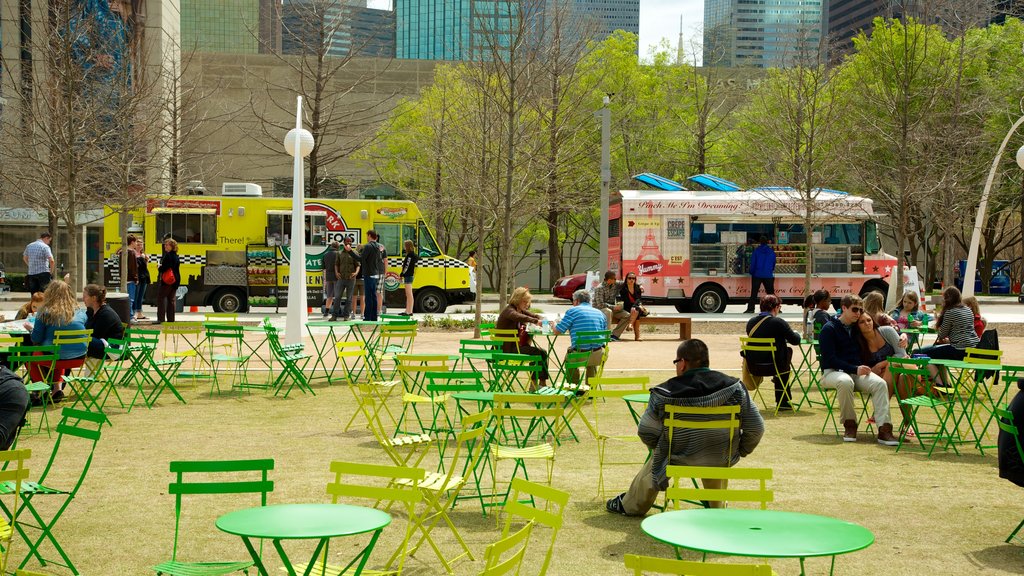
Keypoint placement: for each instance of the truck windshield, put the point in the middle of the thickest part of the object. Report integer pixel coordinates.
(428, 247)
(841, 234)
(872, 245)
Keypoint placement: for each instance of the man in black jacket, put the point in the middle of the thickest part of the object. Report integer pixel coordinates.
(843, 370)
(767, 324)
(13, 405)
(1011, 467)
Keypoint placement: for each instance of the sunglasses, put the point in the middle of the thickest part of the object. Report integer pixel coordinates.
(677, 361)
(856, 309)
(630, 277)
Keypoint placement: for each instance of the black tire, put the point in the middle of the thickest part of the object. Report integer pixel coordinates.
(230, 300)
(709, 299)
(683, 308)
(430, 301)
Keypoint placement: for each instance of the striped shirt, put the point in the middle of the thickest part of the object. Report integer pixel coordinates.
(958, 326)
(39, 256)
(582, 317)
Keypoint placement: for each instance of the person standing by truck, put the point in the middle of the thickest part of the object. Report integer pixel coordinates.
(408, 271)
(374, 263)
(346, 268)
(169, 278)
(330, 277)
(144, 279)
(762, 272)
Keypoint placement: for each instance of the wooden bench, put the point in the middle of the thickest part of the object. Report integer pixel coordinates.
(684, 324)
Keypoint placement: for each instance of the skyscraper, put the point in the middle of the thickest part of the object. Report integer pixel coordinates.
(432, 29)
(349, 27)
(760, 33)
(233, 26)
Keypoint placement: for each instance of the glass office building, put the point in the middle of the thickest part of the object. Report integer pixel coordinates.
(760, 33)
(223, 26)
(350, 29)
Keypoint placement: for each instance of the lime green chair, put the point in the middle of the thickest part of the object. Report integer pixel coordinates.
(539, 505)
(520, 424)
(613, 390)
(186, 340)
(640, 565)
(1004, 419)
(256, 481)
(677, 493)
(411, 369)
(401, 449)
(441, 386)
(371, 392)
(12, 470)
(763, 346)
(502, 336)
(78, 432)
(473, 352)
(232, 360)
(506, 555)
(21, 359)
(680, 418)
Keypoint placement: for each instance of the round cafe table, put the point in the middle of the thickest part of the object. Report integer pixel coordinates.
(305, 522)
(758, 533)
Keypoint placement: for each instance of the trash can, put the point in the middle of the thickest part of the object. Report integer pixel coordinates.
(121, 304)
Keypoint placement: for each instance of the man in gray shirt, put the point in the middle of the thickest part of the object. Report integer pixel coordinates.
(330, 277)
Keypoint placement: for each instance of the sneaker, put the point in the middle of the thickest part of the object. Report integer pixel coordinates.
(615, 338)
(615, 505)
(850, 432)
(748, 311)
(332, 319)
(885, 437)
(57, 397)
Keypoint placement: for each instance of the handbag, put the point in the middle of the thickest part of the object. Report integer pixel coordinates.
(642, 311)
(168, 277)
(750, 381)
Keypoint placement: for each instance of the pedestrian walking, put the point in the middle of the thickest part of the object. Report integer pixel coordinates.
(169, 278)
(762, 272)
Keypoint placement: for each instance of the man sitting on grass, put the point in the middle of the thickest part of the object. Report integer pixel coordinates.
(697, 386)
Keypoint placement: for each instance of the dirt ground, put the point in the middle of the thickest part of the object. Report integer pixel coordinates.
(945, 515)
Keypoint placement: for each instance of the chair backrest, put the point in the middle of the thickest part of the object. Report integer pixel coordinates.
(225, 335)
(471, 444)
(138, 337)
(688, 491)
(231, 469)
(397, 336)
(352, 353)
(592, 338)
(679, 419)
(13, 470)
(485, 328)
(981, 356)
(64, 337)
(1004, 419)
(615, 389)
(413, 363)
(8, 340)
(19, 357)
(505, 336)
(536, 504)
(496, 563)
(525, 418)
(912, 369)
(221, 317)
(181, 336)
(454, 382)
(639, 565)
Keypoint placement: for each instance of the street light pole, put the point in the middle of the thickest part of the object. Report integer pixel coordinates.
(606, 177)
(979, 219)
(298, 143)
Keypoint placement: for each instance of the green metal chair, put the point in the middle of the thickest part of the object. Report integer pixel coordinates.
(158, 374)
(520, 422)
(766, 346)
(411, 369)
(232, 360)
(81, 430)
(186, 340)
(1004, 418)
(81, 384)
(441, 386)
(293, 364)
(13, 470)
(514, 372)
(243, 477)
(539, 505)
(915, 369)
(21, 359)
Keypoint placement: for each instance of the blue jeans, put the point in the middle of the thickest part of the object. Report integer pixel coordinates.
(140, 297)
(132, 291)
(370, 301)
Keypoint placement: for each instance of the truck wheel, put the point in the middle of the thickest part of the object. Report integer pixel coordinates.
(229, 300)
(683, 308)
(430, 301)
(709, 299)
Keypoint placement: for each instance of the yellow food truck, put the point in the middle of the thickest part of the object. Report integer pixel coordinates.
(234, 248)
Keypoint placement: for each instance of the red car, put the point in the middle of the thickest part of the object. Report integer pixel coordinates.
(566, 285)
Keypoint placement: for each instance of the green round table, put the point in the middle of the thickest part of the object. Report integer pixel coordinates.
(758, 533)
(305, 522)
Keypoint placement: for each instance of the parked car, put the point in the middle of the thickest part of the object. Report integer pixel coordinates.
(566, 285)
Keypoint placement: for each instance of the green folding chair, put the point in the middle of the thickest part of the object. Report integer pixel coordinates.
(1004, 418)
(157, 374)
(411, 369)
(12, 469)
(473, 353)
(766, 346)
(574, 394)
(293, 364)
(441, 386)
(915, 370)
(640, 565)
(514, 372)
(614, 390)
(540, 505)
(82, 384)
(587, 339)
(392, 339)
(520, 422)
(232, 360)
(374, 391)
(21, 359)
(186, 340)
(80, 429)
(239, 477)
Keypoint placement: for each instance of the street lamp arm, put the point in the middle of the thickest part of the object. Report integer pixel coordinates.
(979, 219)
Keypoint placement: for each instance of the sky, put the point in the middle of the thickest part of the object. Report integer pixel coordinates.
(658, 19)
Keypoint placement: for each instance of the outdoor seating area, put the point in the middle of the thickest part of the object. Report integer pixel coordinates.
(384, 448)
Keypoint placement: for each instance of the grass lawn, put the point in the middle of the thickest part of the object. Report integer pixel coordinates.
(945, 515)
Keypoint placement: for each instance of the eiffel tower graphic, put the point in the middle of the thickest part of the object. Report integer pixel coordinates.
(650, 261)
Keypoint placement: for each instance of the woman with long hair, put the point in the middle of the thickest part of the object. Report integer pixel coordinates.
(101, 319)
(874, 306)
(408, 269)
(516, 316)
(31, 307)
(168, 279)
(956, 334)
(58, 312)
(630, 294)
(877, 345)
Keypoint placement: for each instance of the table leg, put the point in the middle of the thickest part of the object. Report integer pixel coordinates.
(257, 561)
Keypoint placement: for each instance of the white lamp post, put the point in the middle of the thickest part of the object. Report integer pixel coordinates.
(298, 143)
(979, 220)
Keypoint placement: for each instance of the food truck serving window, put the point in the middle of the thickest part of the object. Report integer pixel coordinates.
(188, 227)
(279, 228)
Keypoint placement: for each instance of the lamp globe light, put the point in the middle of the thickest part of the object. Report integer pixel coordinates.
(305, 141)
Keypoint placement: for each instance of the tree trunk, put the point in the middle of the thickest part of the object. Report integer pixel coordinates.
(555, 269)
(481, 237)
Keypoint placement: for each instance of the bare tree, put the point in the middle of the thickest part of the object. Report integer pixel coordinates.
(322, 71)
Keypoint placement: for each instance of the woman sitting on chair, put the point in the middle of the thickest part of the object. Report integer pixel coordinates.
(58, 312)
(516, 316)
